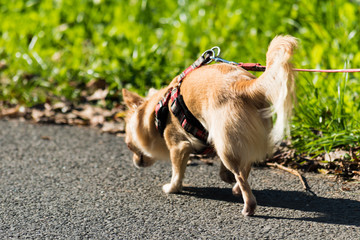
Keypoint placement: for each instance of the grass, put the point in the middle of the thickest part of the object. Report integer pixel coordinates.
(50, 50)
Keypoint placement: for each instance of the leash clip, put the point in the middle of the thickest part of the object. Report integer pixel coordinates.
(210, 54)
(218, 59)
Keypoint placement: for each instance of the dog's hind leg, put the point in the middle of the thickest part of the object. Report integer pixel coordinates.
(241, 173)
(226, 175)
(234, 161)
(179, 155)
(236, 190)
(242, 186)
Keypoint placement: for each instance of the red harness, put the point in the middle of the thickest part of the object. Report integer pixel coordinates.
(178, 107)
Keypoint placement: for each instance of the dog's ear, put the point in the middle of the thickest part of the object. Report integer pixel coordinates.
(151, 92)
(132, 100)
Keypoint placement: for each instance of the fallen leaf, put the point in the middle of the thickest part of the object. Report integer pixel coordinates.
(37, 115)
(77, 121)
(45, 138)
(61, 118)
(323, 171)
(113, 127)
(339, 154)
(86, 114)
(356, 177)
(99, 94)
(120, 114)
(97, 120)
(59, 105)
(338, 171)
(10, 112)
(96, 84)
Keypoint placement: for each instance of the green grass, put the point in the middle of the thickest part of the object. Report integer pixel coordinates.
(51, 49)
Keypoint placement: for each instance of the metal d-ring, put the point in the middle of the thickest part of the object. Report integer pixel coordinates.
(211, 54)
(218, 51)
(208, 55)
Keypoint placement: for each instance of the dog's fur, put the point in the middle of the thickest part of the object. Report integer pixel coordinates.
(233, 105)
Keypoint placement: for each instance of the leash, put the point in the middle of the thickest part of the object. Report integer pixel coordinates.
(257, 67)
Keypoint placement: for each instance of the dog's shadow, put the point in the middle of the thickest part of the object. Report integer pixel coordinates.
(327, 210)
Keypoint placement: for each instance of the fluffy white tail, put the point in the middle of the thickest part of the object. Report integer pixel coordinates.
(278, 84)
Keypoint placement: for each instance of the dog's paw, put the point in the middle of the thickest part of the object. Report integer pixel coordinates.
(249, 209)
(170, 188)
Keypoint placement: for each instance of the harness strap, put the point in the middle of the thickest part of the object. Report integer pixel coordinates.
(187, 120)
(200, 61)
(162, 112)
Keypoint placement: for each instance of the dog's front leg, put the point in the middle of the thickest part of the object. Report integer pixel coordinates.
(179, 155)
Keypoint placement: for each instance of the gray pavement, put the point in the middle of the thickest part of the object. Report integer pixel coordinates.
(61, 182)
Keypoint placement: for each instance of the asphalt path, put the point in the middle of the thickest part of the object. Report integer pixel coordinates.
(61, 182)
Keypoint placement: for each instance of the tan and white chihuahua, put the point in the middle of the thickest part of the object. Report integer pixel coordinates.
(233, 105)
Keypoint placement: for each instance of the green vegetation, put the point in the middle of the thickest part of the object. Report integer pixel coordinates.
(51, 49)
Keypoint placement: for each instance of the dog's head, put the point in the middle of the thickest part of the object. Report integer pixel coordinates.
(133, 132)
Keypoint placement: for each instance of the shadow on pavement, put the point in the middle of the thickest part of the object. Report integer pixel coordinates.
(328, 210)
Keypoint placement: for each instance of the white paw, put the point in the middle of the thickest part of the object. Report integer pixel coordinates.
(170, 188)
(249, 209)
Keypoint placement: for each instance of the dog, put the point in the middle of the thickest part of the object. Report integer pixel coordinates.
(236, 109)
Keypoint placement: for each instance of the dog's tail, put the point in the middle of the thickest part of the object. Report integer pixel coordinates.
(277, 84)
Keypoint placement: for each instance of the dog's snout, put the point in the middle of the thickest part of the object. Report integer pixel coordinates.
(138, 160)
(141, 161)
